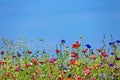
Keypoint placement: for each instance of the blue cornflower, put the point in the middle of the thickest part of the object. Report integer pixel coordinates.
(118, 41)
(112, 44)
(111, 65)
(102, 76)
(88, 46)
(112, 53)
(63, 41)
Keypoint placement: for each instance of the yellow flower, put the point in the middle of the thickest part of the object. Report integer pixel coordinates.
(80, 36)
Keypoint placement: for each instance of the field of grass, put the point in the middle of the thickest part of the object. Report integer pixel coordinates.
(76, 62)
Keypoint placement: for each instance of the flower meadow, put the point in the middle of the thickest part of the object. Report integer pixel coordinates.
(18, 61)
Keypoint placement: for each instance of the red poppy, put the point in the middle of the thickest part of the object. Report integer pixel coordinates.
(104, 54)
(9, 75)
(27, 65)
(1, 63)
(73, 61)
(93, 57)
(84, 50)
(76, 45)
(58, 51)
(35, 61)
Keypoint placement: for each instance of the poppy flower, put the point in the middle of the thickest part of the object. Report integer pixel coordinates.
(58, 51)
(93, 57)
(35, 61)
(84, 50)
(75, 55)
(70, 79)
(38, 72)
(96, 66)
(9, 75)
(75, 45)
(27, 65)
(73, 61)
(88, 46)
(1, 63)
(2, 52)
(104, 54)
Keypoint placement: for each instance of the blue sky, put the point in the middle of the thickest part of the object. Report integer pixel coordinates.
(54, 20)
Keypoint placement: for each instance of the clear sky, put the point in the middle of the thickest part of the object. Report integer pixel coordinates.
(54, 20)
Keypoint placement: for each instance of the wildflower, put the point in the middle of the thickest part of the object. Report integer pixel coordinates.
(60, 77)
(35, 61)
(92, 79)
(112, 53)
(104, 54)
(76, 45)
(118, 41)
(80, 37)
(70, 79)
(51, 60)
(2, 52)
(117, 58)
(96, 66)
(84, 50)
(14, 56)
(63, 41)
(100, 50)
(1, 63)
(72, 61)
(102, 76)
(9, 75)
(88, 46)
(93, 57)
(64, 67)
(27, 65)
(38, 72)
(112, 44)
(111, 65)
(76, 77)
(75, 55)
(29, 52)
(18, 69)
(19, 55)
(58, 51)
